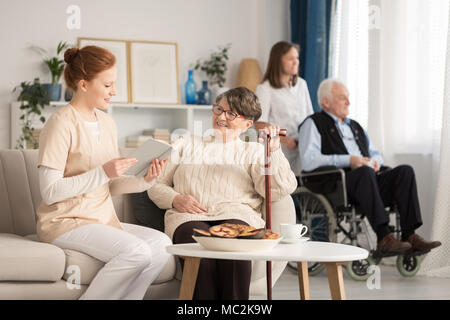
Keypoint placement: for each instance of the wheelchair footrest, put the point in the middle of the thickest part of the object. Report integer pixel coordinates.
(378, 254)
(416, 252)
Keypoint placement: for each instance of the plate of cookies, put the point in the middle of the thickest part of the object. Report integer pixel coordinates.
(236, 237)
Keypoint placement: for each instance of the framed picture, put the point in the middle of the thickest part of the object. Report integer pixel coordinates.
(120, 49)
(154, 72)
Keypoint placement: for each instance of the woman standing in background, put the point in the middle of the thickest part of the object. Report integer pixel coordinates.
(284, 98)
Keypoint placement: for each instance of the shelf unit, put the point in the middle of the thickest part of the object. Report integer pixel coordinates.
(132, 119)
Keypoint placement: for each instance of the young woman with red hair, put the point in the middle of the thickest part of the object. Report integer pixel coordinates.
(80, 168)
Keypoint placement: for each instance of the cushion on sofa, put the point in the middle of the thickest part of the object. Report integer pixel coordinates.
(22, 259)
(89, 266)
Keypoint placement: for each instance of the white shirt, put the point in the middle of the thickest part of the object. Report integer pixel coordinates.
(287, 108)
(94, 129)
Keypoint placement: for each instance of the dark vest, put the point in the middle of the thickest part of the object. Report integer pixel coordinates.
(332, 144)
(331, 138)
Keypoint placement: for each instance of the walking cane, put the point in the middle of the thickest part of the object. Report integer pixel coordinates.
(267, 151)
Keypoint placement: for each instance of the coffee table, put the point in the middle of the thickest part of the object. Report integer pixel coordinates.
(333, 255)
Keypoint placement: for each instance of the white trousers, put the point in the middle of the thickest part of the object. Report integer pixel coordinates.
(134, 257)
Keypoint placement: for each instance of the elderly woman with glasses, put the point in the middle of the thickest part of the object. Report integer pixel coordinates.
(217, 179)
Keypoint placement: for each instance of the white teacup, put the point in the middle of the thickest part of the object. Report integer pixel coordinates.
(292, 231)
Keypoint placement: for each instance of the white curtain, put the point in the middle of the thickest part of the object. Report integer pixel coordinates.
(406, 119)
(392, 54)
(349, 53)
(437, 263)
(413, 46)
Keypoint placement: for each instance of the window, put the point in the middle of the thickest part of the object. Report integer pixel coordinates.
(350, 53)
(411, 61)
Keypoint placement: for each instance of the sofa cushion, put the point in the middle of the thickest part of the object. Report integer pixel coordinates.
(89, 266)
(24, 260)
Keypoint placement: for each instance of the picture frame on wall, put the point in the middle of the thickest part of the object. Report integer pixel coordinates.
(120, 49)
(154, 73)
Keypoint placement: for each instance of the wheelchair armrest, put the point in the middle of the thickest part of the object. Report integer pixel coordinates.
(323, 171)
(329, 170)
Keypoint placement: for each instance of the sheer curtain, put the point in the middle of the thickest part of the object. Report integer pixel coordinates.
(410, 62)
(406, 120)
(398, 49)
(349, 53)
(413, 46)
(437, 263)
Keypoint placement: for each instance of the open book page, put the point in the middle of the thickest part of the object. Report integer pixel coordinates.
(146, 153)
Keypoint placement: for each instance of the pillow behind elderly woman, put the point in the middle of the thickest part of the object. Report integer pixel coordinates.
(220, 179)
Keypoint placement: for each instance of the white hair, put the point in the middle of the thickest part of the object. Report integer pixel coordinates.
(325, 88)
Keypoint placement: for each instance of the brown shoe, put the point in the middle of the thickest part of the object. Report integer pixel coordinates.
(420, 245)
(389, 246)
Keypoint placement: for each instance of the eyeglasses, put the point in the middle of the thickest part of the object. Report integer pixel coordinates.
(230, 115)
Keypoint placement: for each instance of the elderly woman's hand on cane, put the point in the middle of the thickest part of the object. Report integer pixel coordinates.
(274, 132)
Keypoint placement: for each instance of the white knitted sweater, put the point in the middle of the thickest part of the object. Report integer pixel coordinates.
(226, 178)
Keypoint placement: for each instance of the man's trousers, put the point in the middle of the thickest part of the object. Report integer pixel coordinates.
(374, 191)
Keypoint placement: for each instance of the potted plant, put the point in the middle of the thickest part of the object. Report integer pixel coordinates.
(56, 66)
(34, 97)
(215, 68)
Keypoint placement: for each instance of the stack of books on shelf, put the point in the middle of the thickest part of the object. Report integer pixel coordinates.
(136, 141)
(158, 134)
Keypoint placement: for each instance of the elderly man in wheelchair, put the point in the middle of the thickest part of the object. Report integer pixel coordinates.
(343, 180)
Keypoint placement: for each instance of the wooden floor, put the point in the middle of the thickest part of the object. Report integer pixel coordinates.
(393, 286)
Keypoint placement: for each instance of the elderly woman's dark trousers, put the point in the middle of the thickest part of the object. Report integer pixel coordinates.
(373, 192)
(217, 279)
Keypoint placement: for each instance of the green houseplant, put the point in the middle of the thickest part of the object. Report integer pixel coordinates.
(33, 97)
(55, 65)
(215, 66)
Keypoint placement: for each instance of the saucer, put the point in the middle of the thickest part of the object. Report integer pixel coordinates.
(302, 239)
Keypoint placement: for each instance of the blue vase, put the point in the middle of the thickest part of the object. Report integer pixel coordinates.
(190, 88)
(54, 90)
(204, 94)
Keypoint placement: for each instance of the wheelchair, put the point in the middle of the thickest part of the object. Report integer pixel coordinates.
(330, 217)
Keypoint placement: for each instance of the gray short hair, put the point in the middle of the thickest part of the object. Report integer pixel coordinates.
(243, 101)
(325, 88)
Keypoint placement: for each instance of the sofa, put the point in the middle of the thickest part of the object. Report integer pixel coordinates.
(30, 269)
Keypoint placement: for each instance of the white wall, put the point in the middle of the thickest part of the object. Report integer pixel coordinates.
(198, 26)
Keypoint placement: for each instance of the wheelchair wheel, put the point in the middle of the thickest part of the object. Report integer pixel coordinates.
(317, 213)
(359, 269)
(408, 265)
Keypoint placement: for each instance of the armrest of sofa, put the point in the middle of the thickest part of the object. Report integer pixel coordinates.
(282, 211)
(22, 259)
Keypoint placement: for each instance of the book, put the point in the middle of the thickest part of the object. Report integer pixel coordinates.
(146, 153)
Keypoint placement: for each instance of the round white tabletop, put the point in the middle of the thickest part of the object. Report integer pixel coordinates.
(305, 251)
